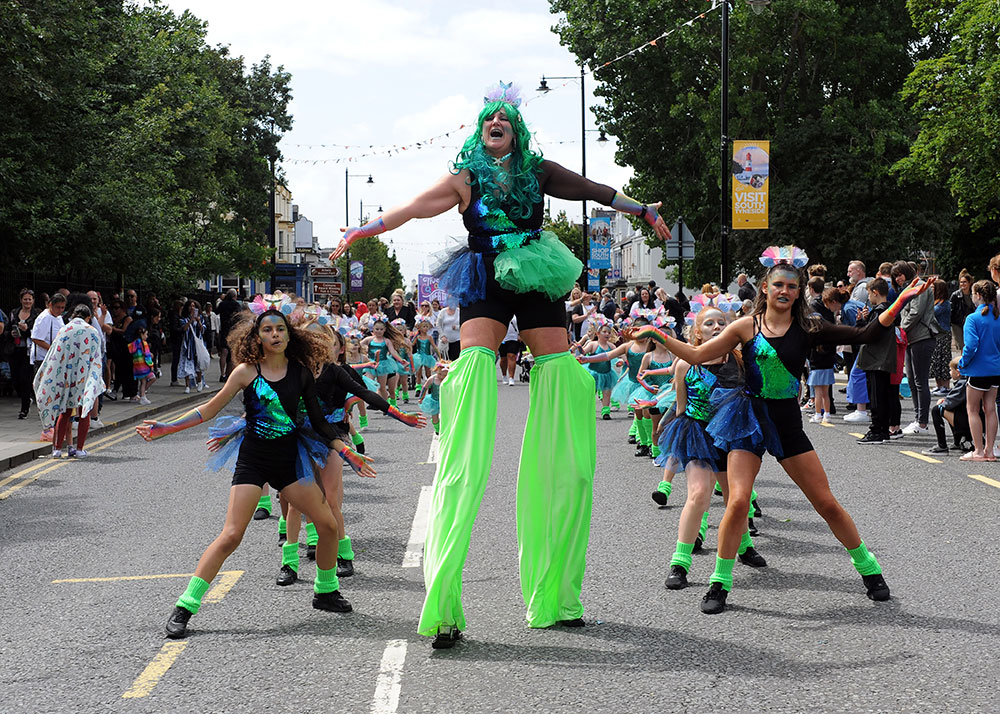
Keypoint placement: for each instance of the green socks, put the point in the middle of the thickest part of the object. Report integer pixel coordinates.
(406, 394)
(615, 405)
(326, 581)
(344, 549)
(682, 556)
(437, 427)
(363, 421)
(745, 542)
(312, 537)
(723, 573)
(605, 411)
(357, 439)
(633, 429)
(290, 555)
(265, 503)
(191, 599)
(282, 526)
(392, 402)
(704, 525)
(656, 451)
(753, 500)
(647, 431)
(864, 560)
(665, 488)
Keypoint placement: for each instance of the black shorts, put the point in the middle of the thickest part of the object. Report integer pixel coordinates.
(266, 461)
(787, 416)
(984, 384)
(533, 309)
(511, 347)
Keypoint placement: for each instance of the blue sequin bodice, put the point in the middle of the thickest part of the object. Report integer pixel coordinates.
(266, 416)
(493, 231)
(766, 375)
(699, 383)
(377, 351)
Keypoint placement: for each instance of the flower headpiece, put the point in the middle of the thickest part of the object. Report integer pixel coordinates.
(723, 302)
(787, 254)
(501, 92)
(277, 301)
(399, 323)
(600, 321)
(355, 334)
(422, 319)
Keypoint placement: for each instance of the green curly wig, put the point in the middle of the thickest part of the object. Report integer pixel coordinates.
(522, 180)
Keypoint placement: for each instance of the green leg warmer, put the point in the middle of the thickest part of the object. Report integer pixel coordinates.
(326, 581)
(344, 549)
(290, 555)
(665, 488)
(392, 401)
(265, 503)
(645, 436)
(363, 421)
(437, 427)
(864, 560)
(282, 526)
(745, 542)
(312, 537)
(605, 411)
(704, 525)
(723, 572)
(633, 430)
(469, 414)
(753, 500)
(555, 483)
(191, 599)
(655, 451)
(357, 438)
(682, 555)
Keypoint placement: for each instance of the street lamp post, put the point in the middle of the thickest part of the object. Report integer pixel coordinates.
(544, 87)
(347, 218)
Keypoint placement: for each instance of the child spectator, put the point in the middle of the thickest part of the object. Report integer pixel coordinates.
(981, 364)
(951, 408)
(155, 338)
(878, 361)
(142, 364)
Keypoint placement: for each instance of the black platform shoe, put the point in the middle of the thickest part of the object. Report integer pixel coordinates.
(876, 586)
(752, 558)
(286, 576)
(446, 638)
(678, 578)
(332, 602)
(345, 568)
(177, 623)
(714, 601)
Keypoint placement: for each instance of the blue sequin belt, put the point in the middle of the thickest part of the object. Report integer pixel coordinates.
(503, 241)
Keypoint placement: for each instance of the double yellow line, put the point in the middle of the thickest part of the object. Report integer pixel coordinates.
(22, 478)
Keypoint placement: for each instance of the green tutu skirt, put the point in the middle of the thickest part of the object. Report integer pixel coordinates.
(545, 265)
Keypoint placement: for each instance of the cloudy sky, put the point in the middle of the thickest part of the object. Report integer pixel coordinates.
(378, 73)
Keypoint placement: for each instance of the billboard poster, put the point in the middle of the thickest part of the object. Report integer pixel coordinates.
(427, 289)
(357, 281)
(751, 164)
(593, 280)
(599, 230)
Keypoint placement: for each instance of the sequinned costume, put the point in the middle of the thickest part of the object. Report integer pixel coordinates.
(604, 378)
(511, 267)
(431, 403)
(423, 355)
(379, 351)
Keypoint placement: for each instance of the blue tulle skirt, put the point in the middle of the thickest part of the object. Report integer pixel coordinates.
(429, 405)
(387, 366)
(684, 441)
(742, 423)
(423, 360)
(623, 389)
(604, 380)
(369, 382)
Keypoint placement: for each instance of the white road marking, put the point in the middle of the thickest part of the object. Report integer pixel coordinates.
(387, 686)
(432, 452)
(418, 531)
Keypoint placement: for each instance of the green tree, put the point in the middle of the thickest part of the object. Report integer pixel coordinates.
(569, 233)
(818, 78)
(382, 274)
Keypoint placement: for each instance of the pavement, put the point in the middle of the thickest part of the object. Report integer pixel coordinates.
(21, 442)
(96, 552)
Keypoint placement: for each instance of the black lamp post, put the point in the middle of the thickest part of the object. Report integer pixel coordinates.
(347, 219)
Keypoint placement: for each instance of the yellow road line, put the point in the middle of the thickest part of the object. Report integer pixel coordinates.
(856, 435)
(984, 479)
(25, 482)
(921, 457)
(150, 676)
(226, 582)
(225, 574)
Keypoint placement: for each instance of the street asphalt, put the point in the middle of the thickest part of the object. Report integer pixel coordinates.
(799, 635)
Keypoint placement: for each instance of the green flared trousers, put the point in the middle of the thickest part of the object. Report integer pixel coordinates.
(554, 487)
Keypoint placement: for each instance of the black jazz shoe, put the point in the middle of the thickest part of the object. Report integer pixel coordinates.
(678, 578)
(752, 558)
(345, 568)
(631, 438)
(575, 622)
(286, 576)
(177, 624)
(698, 542)
(332, 602)
(261, 514)
(876, 586)
(751, 528)
(311, 552)
(446, 637)
(714, 601)
(659, 498)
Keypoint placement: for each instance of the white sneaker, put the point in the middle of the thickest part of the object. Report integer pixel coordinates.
(826, 419)
(816, 418)
(858, 417)
(187, 390)
(996, 451)
(510, 381)
(135, 400)
(96, 421)
(81, 454)
(915, 428)
(144, 400)
(56, 453)
(200, 387)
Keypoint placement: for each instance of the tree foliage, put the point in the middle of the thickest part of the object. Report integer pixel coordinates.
(820, 79)
(131, 146)
(382, 273)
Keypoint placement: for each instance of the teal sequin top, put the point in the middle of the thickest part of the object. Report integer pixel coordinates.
(600, 367)
(378, 351)
(634, 360)
(659, 379)
(423, 347)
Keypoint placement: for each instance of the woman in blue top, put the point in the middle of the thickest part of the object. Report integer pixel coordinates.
(981, 364)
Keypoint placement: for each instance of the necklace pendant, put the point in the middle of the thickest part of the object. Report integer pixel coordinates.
(498, 162)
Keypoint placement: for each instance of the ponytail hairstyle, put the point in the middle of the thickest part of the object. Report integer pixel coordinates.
(837, 295)
(397, 338)
(988, 292)
(312, 349)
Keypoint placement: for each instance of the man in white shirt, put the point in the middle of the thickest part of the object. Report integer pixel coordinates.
(47, 326)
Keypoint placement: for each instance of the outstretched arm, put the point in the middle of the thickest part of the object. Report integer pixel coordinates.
(605, 356)
(735, 334)
(238, 380)
(442, 196)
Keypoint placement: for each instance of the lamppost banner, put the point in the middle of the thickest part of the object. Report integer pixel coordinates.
(599, 229)
(427, 289)
(751, 164)
(357, 275)
(593, 279)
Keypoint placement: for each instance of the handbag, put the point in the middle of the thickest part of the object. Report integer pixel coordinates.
(202, 358)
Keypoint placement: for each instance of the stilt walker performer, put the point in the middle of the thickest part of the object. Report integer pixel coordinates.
(510, 267)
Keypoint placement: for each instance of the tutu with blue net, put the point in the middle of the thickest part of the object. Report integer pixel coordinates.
(741, 422)
(423, 360)
(429, 405)
(623, 388)
(685, 441)
(604, 380)
(386, 367)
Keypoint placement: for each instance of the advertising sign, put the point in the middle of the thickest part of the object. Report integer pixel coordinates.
(357, 275)
(327, 289)
(593, 280)
(599, 229)
(751, 164)
(427, 289)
